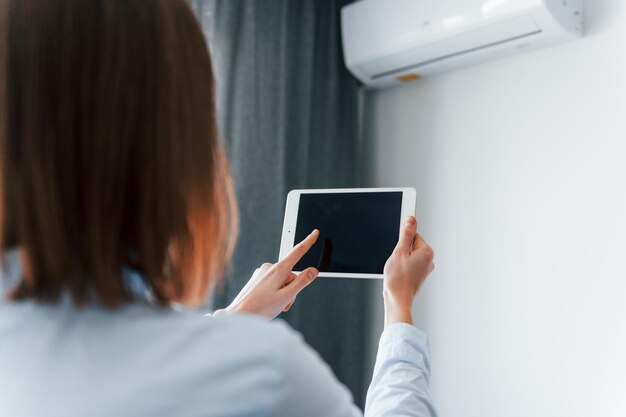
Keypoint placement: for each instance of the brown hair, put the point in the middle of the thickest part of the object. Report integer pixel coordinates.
(109, 150)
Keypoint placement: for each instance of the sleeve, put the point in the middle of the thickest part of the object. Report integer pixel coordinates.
(400, 383)
(307, 386)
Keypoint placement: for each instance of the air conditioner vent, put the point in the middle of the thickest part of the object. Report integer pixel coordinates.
(417, 66)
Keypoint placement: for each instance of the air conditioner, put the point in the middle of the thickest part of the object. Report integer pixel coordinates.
(387, 42)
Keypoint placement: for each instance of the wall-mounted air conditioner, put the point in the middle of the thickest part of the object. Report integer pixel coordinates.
(386, 42)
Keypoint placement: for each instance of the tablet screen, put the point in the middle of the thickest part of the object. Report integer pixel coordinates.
(358, 231)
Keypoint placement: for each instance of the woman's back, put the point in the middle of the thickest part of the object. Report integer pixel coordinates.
(138, 361)
(143, 360)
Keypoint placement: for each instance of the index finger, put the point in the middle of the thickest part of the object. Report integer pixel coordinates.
(299, 250)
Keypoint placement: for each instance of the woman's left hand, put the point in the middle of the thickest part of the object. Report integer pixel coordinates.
(273, 287)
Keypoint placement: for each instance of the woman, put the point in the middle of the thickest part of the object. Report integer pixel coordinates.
(119, 217)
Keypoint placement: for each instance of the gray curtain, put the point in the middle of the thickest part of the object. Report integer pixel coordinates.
(288, 110)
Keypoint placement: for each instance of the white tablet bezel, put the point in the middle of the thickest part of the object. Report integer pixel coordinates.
(291, 216)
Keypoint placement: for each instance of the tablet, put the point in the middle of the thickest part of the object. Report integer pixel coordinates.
(359, 228)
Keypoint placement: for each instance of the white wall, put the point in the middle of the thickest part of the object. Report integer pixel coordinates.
(520, 167)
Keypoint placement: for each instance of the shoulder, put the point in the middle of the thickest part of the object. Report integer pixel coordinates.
(248, 328)
(246, 354)
(216, 341)
(192, 328)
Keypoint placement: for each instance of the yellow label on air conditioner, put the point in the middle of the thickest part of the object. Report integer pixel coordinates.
(412, 76)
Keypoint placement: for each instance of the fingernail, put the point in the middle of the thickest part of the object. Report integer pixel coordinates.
(312, 274)
(410, 221)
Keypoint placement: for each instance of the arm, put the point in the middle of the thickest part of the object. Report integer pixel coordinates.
(399, 386)
(400, 383)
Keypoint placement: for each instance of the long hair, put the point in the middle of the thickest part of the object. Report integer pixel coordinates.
(109, 150)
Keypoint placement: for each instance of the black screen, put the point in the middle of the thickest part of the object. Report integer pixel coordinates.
(358, 231)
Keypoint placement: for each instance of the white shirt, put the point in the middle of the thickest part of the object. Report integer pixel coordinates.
(142, 360)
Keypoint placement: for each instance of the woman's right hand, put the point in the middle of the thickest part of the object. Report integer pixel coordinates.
(405, 272)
